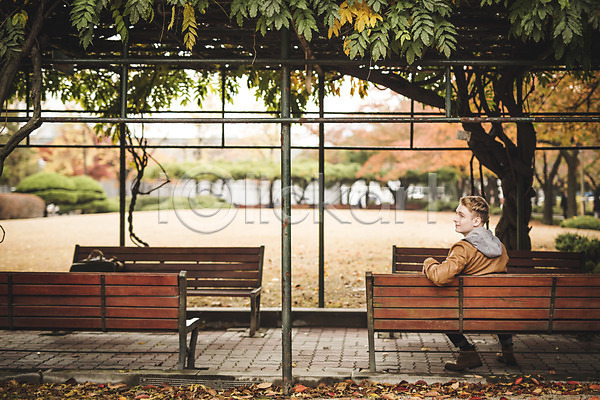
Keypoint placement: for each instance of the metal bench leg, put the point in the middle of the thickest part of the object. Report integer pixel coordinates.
(254, 311)
(191, 351)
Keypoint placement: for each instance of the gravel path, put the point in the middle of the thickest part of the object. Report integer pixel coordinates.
(355, 241)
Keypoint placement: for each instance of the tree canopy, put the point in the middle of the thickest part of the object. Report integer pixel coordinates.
(490, 48)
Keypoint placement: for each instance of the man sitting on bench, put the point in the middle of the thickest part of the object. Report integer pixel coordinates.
(478, 253)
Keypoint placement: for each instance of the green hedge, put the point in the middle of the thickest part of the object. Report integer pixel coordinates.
(590, 248)
(582, 222)
(52, 187)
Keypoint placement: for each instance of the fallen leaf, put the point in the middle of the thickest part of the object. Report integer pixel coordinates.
(573, 382)
(264, 385)
(593, 386)
(300, 388)
(518, 380)
(455, 385)
(432, 393)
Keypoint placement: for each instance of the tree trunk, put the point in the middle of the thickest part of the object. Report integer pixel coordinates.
(572, 159)
(9, 73)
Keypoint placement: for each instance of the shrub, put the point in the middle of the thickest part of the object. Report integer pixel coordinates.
(150, 203)
(52, 187)
(88, 189)
(590, 248)
(20, 205)
(582, 222)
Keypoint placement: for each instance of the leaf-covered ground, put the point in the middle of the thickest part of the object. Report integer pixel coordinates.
(529, 387)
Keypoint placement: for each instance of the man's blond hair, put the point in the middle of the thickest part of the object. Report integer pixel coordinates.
(477, 205)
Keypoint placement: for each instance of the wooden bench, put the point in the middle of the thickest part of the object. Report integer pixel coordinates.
(108, 302)
(410, 259)
(211, 271)
(496, 303)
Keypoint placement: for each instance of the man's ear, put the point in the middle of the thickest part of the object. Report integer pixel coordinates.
(477, 222)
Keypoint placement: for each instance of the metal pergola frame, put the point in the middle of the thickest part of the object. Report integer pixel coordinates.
(285, 120)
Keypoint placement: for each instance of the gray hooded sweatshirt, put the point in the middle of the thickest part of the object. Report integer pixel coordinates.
(484, 240)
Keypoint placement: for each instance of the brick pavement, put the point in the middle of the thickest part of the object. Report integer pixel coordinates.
(316, 352)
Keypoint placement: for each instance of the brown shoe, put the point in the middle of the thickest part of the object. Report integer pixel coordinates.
(507, 356)
(466, 359)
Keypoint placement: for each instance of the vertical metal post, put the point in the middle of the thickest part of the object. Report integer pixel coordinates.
(122, 148)
(448, 93)
(520, 180)
(321, 192)
(223, 106)
(286, 239)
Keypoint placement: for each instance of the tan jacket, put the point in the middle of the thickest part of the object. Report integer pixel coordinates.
(463, 258)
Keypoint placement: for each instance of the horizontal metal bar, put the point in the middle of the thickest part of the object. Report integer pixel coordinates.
(421, 113)
(268, 147)
(250, 61)
(310, 120)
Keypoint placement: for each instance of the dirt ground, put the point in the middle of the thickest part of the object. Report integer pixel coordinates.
(355, 241)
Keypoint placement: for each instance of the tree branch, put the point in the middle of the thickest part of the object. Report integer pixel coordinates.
(35, 121)
(397, 84)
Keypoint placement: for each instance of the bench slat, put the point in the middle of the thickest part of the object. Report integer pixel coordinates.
(216, 292)
(51, 278)
(418, 325)
(141, 290)
(505, 302)
(148, 279)
(574, 313)
(57, 300)
(56, 290)
(505, 325)
(50, 311)
(154, 301)
(221, 283)
(505, 314)
(530, 291)
(138, 312)
(425, 302)
(576, 326)
(191, 267)
(412, 313)
(574, 302)
(430, 291)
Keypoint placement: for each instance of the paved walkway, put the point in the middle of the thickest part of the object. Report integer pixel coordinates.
(317, 353)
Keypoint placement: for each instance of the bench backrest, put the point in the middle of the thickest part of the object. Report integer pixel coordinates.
(406, 259)
(207, 267)
(92, 301)
(489, 303)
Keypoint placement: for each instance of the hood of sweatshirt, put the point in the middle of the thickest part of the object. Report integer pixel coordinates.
(484, 240)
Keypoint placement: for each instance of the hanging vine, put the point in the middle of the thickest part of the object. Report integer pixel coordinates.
(141, 162)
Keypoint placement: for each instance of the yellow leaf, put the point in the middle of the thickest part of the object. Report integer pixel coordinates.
(345, 13)
(172, 19)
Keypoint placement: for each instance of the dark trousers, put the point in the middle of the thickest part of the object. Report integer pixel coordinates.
(460, 341)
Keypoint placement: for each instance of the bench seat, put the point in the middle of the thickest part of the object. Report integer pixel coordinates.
(410, 259)
(495, 303)
(107, 302)
(211, 271)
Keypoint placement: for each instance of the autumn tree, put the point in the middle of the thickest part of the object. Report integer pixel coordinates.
(564, 92)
